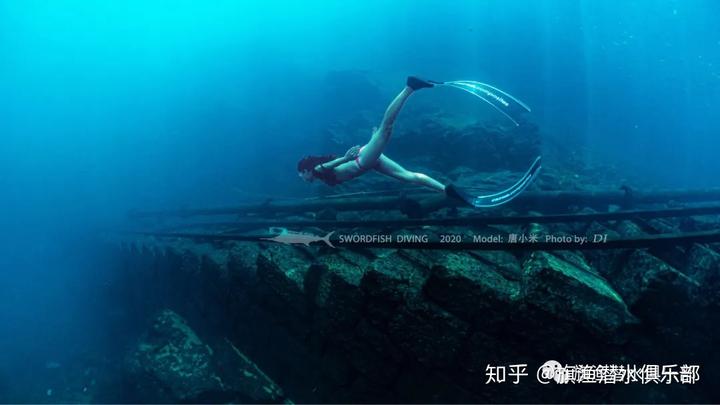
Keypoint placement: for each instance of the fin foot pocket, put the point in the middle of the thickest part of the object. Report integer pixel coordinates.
(417, 83)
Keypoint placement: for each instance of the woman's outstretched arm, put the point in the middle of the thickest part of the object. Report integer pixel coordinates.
(351, 154)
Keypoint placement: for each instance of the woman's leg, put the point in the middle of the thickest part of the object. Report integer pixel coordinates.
(372, 151)
(391, 168)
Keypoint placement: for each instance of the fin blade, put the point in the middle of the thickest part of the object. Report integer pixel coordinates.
(509, 194)
(474, 92)
(504, 93)
(532, 171)
(486, 91)
(504, 196)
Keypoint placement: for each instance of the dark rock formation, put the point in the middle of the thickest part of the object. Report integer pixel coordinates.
(572, 291)
(172, 364)
(384, 325)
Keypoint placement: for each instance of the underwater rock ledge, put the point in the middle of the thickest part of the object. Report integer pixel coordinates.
(384, 325)
(172, 364)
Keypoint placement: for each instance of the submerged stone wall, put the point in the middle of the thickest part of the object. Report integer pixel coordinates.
(385, 325)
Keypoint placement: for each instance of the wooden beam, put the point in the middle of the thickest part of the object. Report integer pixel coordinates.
(475, 220)
(423, 203)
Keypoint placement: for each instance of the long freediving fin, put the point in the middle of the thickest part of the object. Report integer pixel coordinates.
(501, 197)
(501, 101)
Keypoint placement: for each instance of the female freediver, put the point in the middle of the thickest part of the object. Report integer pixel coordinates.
(359, 160)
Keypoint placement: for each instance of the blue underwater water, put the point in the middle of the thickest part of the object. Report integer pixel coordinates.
(110, 106)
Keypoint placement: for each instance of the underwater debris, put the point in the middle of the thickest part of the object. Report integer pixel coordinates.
(371, 320)
(172, 364)
(420, 322)
(549, 200)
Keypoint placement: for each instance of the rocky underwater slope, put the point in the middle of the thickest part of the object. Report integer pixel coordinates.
(266, 322)
(412, 326)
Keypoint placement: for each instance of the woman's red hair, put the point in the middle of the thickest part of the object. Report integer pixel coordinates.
(309, 162)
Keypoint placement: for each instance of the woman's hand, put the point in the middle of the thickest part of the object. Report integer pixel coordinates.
(353, 152)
